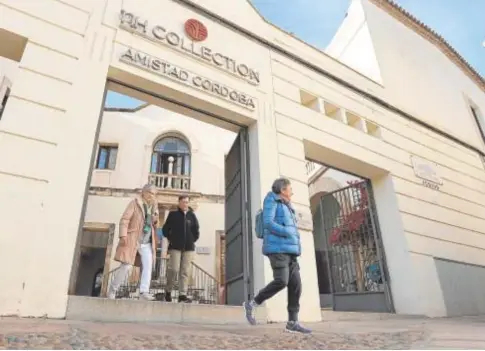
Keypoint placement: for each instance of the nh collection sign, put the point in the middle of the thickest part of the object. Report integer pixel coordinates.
(166, 69)
(191, 46)
(196, 30)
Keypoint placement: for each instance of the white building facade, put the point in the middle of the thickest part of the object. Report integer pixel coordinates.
(394, 104)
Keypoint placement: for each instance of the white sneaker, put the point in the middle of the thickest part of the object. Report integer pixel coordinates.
(146, 297)
(112, 295)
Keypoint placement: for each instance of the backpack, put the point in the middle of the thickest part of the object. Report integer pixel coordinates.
(259, 228)
(260, 224)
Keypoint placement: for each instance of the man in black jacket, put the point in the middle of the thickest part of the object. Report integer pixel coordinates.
(182, 231)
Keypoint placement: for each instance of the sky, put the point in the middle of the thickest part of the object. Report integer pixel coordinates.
(460, 22)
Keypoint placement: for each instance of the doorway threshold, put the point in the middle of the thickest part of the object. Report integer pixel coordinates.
(104, 310)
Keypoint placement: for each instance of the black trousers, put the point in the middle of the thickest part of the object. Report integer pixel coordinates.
(286, 273)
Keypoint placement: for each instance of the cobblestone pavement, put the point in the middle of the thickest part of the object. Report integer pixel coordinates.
(394, 333)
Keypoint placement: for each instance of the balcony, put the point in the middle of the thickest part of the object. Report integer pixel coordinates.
(170, 181)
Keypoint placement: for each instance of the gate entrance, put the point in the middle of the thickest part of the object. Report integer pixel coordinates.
(237, 282)
(181, 150)
(351, 266)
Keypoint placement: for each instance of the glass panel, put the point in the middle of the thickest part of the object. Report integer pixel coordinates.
(177, 169)
(172, 145)
(187, 165)
(154, 165)
(112, 157)
(165, 164)
(102, 158)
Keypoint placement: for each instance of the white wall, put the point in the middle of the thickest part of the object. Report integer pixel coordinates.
(352, 44)
(416, 75)
(211, 219)
(422, 79)
(8, 68)
(448, 223)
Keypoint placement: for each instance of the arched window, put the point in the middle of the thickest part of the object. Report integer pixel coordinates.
(171, 157)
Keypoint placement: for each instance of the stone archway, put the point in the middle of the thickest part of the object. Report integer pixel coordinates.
(321, 186)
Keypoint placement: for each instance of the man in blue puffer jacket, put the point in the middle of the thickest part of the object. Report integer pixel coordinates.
(281, 243)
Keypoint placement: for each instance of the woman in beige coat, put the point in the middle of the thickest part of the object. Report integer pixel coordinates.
(137, 241)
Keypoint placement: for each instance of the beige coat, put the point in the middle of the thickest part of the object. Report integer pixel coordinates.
(131, 227)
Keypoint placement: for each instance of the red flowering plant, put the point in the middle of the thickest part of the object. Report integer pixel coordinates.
(348, 230)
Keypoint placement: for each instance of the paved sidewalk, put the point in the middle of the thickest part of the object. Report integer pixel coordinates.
(361, 333)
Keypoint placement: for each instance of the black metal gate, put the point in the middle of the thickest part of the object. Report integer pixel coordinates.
(238, 251)
(351, 264)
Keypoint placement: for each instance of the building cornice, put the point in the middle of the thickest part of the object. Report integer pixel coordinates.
(430, 35)
(165, 197)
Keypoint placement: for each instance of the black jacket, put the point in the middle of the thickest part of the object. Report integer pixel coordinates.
(181, 230)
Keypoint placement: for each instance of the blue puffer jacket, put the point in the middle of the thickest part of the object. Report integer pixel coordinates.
(280, 230)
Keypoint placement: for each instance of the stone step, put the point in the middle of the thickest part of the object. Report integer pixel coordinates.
(104, 310)
(130, 310)
(330, 315)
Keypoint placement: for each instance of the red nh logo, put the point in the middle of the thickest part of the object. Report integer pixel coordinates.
(195, 30)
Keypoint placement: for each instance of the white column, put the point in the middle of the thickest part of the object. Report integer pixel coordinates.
(265, 166)
(164, 252)
(292, 165)
(164, 239)
(413, 278)
(170, 172)
(50, 251)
